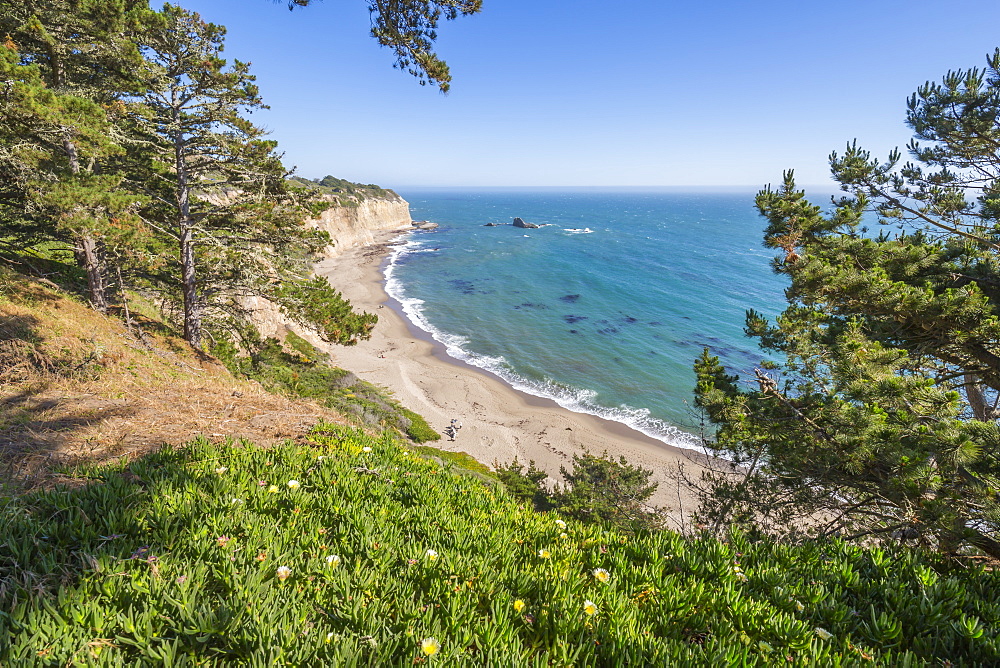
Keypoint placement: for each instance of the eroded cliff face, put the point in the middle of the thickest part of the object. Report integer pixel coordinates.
(351, 226)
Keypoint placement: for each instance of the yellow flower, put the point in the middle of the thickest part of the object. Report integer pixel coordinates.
(293, 484)
(764, 647)
(601, 575)
(272, 488)
(519, 605)
(544, 554)
(430, 646)
(590, 608)
(283, 573)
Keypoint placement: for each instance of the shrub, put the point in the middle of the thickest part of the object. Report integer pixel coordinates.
(417, 428)
(525, 485)
(596, 489)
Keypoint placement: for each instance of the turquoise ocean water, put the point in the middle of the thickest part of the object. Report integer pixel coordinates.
(604, 307)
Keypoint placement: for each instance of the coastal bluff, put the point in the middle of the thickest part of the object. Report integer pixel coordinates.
(358, 223)
(352, 221)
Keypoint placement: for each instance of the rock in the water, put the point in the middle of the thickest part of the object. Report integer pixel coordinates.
(520, 223)
(425, 225)
(490, 225)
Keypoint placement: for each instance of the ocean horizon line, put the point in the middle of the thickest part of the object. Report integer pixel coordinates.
(735, 189)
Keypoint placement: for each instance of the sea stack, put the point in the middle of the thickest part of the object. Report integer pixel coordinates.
(518, 222)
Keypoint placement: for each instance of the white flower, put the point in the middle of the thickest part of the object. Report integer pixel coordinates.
(329, 637)
(430, 646)
(236, 500)
(221, 470)
(564, 535)
(601, 575)
(823, 633)
(406, 452)
(366, 449)
(432, 555)
(333, 560)
(799, 607)
(560, 524)
(293, 484)
(544, 554)
(590, 608)
(283, 572)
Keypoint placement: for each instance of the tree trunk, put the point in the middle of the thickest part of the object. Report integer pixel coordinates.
(192, 309)
(89, 258)
(986, 544)
(981, 410)
(189, 280)
(87, 255)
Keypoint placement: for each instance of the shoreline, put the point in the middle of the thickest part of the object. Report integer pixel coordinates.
(499, 421)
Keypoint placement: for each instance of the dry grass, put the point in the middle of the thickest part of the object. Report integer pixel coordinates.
(77, 386)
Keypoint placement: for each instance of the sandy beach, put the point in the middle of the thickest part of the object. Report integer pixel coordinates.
(499, 423)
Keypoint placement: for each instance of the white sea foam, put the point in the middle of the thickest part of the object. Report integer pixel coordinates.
(579, 230)
(574, 399)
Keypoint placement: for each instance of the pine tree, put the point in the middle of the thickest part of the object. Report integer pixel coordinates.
(409, 28)
(83, 50)
(883, 418)
(218, 191)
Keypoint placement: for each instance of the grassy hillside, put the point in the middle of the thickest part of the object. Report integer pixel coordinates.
(353, 551)
(78, 386)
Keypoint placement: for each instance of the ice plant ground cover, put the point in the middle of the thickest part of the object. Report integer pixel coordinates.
(133, 570)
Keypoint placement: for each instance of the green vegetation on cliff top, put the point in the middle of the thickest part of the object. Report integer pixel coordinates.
(344, 192)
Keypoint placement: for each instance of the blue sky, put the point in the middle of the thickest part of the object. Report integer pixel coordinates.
(592, 93)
